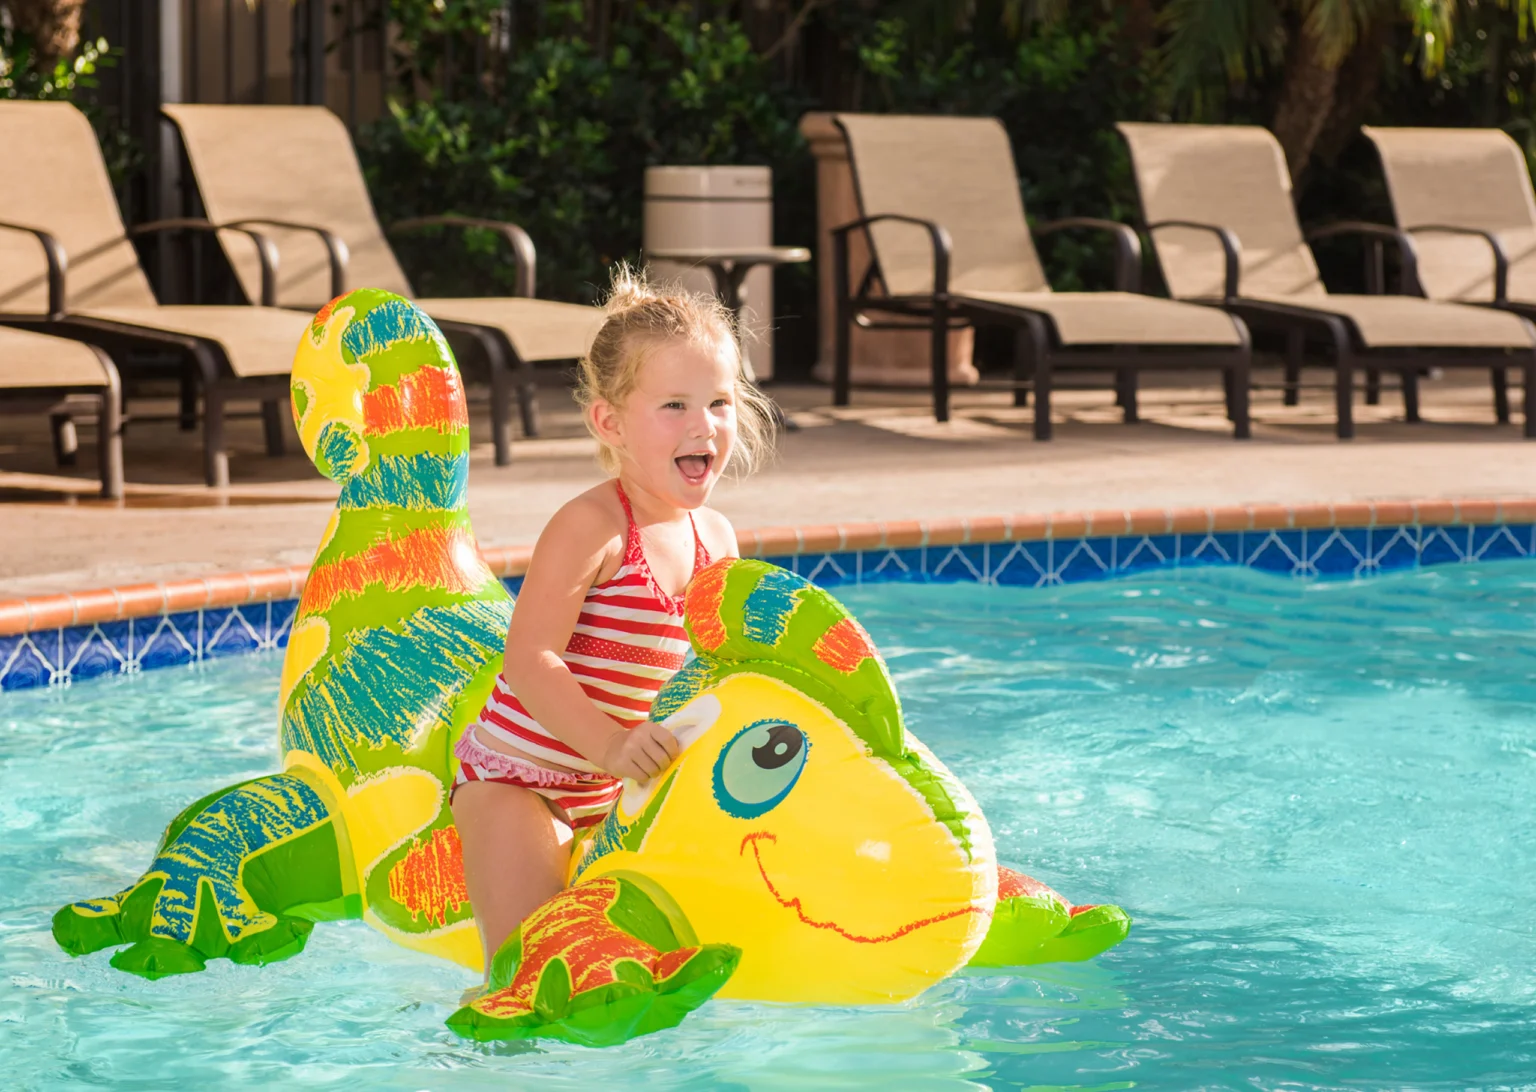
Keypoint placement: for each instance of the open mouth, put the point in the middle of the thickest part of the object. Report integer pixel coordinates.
(793, 903)
(694, 468)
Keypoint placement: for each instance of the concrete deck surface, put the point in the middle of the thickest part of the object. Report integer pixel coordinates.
(882, 458)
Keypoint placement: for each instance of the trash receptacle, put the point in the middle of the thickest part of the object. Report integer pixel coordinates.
(715, 207)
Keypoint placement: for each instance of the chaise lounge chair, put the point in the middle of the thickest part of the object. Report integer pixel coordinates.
(945, 228)
(291, 171)
(46, 374)
(1217, 200)
(68, 267)
(1464, 195)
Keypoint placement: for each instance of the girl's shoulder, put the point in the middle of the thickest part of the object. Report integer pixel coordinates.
(589, 525)
(716, 532)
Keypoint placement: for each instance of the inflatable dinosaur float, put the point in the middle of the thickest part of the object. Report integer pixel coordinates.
(803, 847)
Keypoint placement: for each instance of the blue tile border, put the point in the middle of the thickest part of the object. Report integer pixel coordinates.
(56, 657)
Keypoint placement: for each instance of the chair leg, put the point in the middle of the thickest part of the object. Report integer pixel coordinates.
(1344, 380)
(272, 426)
(501, 396)
(66, 441)
(1373, 386)
(215, 458)
(1238, 380)
(187, 412)
(1411, 396)
(1501, 395)
(528, 404)
(1343, 400)
(1125, 395)
(1021, 367)
(1530, 395)
(1295, 349)
(1043, 398)
(841, 358)
(109, 444)
(939, 355)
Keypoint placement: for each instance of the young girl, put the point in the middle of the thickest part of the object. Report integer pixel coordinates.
(598, 625)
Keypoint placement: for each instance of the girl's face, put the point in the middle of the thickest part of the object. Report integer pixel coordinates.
(676, 429)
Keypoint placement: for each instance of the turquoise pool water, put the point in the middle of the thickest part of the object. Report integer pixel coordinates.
(1316, 801)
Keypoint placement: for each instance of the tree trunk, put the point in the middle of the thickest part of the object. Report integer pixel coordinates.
(1306, 98)
(1355, 93)
(53, 26)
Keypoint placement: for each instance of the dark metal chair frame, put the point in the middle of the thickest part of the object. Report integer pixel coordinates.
(508, 371)
(1303, 325)
(202, 361)
(103, 401)
(1038, 353)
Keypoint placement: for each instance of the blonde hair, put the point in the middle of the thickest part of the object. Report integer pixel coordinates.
(638, 319)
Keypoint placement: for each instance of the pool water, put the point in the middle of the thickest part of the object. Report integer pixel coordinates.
(1315, 800)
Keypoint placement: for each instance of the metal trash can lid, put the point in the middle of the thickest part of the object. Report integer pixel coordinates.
(709, 183)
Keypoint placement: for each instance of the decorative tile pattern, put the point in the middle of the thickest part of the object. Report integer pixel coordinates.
(58, 656)
(55, 657)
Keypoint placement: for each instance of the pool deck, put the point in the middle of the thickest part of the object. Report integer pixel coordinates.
(883, 459)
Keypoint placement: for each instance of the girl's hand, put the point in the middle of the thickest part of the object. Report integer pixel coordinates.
(641, 753)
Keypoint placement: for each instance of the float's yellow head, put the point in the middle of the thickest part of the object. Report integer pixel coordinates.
(802, 823)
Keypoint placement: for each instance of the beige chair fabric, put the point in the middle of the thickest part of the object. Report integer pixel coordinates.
(959, 172)
(297, 164)
(293, 163)
(60, 186)
(38, 361)
(1120, 318)
(1234, 176)
(1470, 178)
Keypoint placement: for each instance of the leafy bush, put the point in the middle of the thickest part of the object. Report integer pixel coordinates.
(22, 76)
(561, 142)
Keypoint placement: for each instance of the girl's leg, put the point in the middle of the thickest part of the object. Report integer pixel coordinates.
(513, 857)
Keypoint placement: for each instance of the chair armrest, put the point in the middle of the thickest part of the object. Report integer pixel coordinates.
(264, 248)
(1231, 250)
(58, 264)
(942, 246)
(523, 252)
(1406, 252)
(335, 247)
(1127, 246)
(1500, 255)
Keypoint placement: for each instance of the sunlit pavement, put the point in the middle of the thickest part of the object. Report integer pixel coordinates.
(881, 458)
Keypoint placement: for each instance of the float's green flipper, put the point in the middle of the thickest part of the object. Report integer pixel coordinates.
(598, 964)
(242, 874)
(1033, 924)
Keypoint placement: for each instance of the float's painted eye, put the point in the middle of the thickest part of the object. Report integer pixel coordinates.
(758, 767)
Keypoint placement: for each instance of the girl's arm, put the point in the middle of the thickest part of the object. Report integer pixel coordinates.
(566, 562)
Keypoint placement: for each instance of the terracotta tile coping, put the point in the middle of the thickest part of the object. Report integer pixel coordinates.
(238, 589)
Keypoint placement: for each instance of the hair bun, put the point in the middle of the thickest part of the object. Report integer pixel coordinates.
(630, 289)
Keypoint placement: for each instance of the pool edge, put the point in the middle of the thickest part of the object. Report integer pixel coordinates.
(50, 640)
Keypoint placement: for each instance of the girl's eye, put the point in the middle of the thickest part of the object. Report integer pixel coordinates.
(719, 403)
(673, 405)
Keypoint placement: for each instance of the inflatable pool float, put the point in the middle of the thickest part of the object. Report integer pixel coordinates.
(803, 847)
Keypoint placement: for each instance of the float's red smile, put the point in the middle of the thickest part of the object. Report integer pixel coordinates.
(758, 836)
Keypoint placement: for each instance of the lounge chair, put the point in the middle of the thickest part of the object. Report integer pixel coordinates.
(68, 266)
(1464, 195)
(48, 374)
(292, 172)
(1217, 200)
(944, 224)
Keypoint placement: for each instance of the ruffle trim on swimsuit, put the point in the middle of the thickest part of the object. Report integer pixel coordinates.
(471, 750)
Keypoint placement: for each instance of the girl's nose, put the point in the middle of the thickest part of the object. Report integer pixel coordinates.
(700, 424)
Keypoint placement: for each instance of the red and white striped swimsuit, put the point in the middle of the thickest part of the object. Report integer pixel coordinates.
(628, 641)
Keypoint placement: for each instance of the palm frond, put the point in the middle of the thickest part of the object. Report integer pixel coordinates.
(1205, 36)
